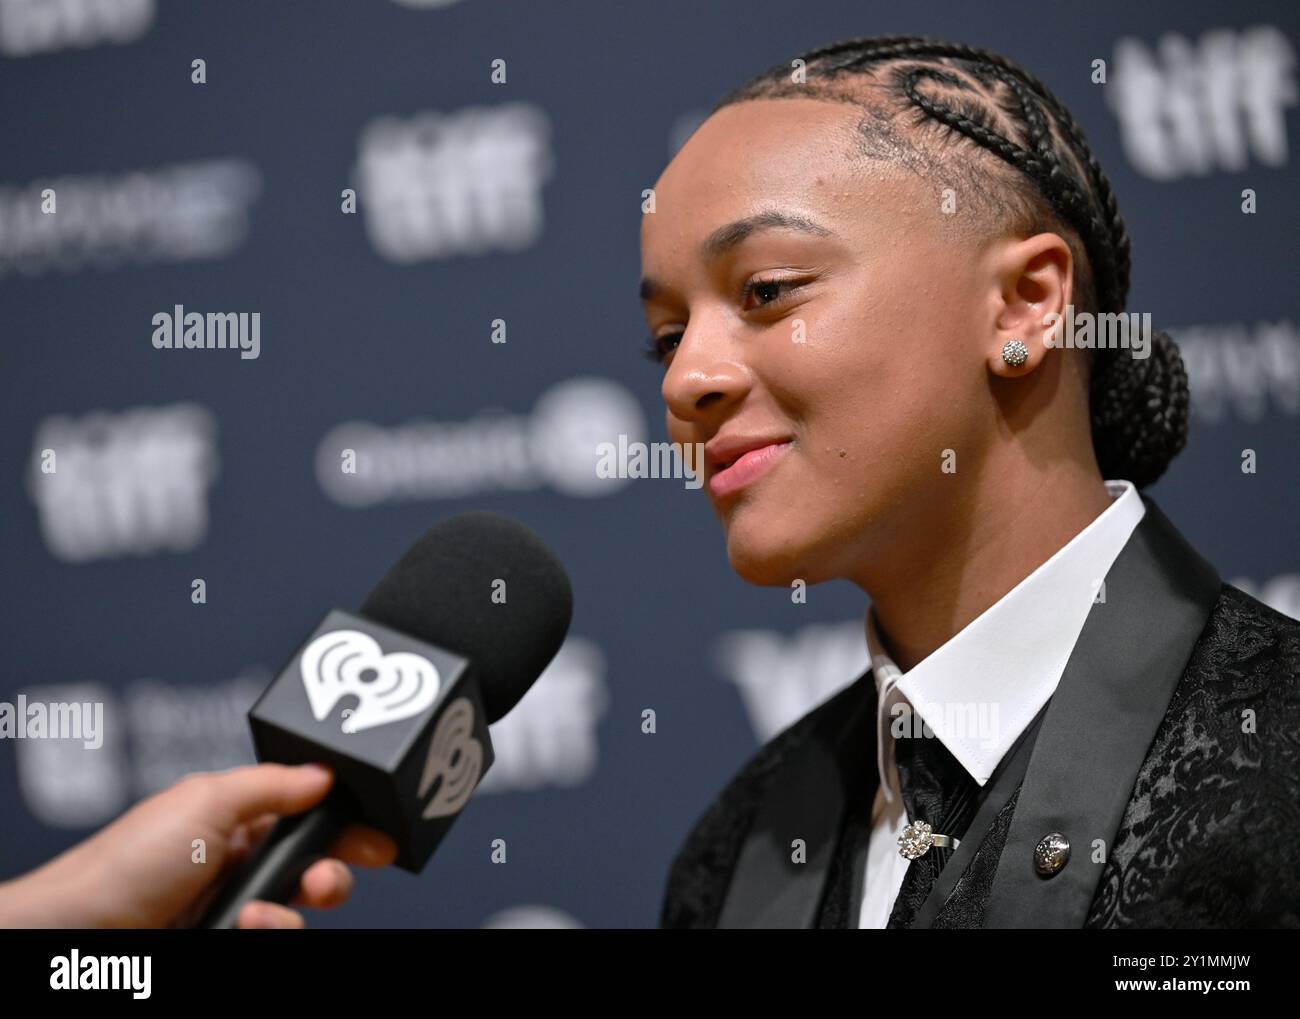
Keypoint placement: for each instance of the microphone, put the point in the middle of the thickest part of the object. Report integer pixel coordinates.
(397, 700)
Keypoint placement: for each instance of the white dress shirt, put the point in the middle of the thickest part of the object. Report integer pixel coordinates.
(992, 678)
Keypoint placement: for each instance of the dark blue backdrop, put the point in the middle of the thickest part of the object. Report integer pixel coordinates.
(514, 202)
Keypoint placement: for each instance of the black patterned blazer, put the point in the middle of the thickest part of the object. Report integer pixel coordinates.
(1168, 757)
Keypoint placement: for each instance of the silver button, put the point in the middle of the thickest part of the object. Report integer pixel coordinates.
(1051, 853)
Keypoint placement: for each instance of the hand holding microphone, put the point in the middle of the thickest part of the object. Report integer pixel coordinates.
(395, 702)
(139, 871)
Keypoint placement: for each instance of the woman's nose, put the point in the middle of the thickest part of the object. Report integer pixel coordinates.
(702, 381)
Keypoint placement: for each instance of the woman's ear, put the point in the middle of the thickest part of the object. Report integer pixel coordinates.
(1034, 293)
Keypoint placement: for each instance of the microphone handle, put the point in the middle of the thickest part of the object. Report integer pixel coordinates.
(273, 870)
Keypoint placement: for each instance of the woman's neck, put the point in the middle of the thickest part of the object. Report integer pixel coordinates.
(963, 559)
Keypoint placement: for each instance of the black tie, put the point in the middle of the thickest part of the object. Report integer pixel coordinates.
(937, 789)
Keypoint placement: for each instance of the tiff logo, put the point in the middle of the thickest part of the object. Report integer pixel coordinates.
(130, 483)
(1194, 108)
(465, 183)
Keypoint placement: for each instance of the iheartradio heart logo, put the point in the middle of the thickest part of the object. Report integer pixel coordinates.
(455, 757)
(388, 687)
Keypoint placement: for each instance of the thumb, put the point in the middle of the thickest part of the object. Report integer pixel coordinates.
(245, 793)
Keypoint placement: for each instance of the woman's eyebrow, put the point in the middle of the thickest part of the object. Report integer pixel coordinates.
(727, 237)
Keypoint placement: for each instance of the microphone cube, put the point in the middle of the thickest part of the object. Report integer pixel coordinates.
(401, 723)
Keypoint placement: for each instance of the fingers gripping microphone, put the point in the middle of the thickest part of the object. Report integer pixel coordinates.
(397, 700)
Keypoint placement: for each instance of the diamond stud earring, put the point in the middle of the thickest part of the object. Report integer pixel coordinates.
(1015, 353)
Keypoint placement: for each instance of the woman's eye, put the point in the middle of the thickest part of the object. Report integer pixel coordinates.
(768, 292)
(659, 347)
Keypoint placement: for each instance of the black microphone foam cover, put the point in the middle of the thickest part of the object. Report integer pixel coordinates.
(442, 592)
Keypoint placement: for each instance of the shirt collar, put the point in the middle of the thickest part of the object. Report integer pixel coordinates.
(980, 690)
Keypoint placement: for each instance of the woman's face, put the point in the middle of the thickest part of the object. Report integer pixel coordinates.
(850, 336)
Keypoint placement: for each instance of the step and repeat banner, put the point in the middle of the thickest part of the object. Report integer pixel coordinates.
(409, 229)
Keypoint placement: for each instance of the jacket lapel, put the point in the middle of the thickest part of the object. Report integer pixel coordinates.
(1100, 722)
(832, 771)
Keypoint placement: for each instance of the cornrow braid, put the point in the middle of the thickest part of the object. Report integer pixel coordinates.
(1138, 407)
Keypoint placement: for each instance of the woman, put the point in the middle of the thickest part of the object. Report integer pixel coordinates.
(854, 272)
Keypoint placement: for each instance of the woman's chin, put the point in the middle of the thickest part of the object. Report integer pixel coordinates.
(765, 562)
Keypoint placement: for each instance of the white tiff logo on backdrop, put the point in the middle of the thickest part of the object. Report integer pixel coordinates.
(128, 483)
(465, 183)
(1197, 108)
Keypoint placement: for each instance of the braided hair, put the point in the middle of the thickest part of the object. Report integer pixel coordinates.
(965, 94)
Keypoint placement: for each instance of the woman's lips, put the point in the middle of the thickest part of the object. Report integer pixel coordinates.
(748, 468)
